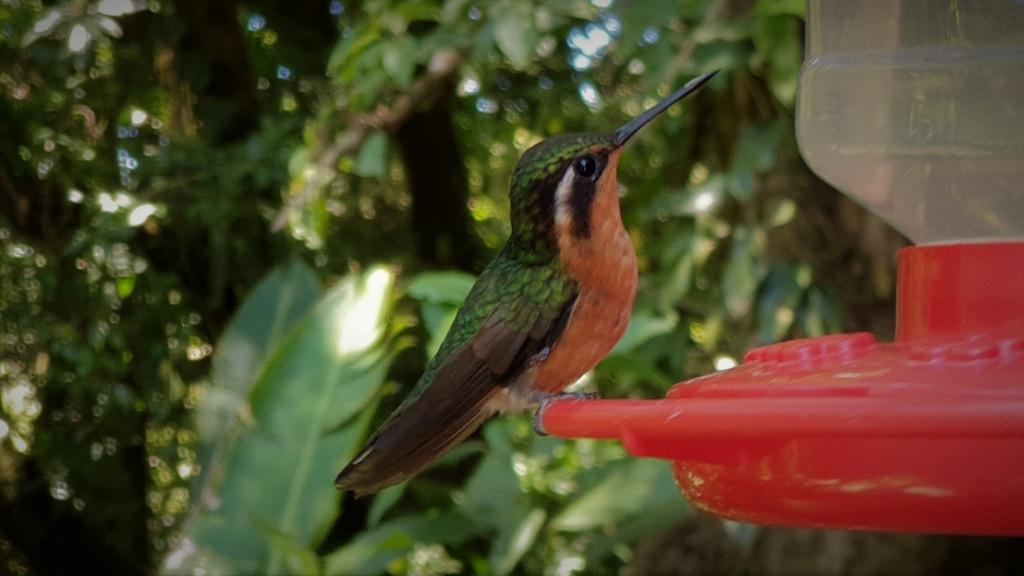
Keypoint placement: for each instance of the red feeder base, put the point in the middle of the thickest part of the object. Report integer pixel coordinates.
(925, 434)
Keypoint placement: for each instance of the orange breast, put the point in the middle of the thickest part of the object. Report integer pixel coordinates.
(604, 265)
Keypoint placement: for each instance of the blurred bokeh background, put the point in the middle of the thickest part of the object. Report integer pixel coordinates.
(231, 234)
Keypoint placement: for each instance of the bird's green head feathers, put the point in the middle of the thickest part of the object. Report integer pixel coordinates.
(542, 168)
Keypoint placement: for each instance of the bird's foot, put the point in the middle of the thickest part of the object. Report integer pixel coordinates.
(544, 399)
(540, 357)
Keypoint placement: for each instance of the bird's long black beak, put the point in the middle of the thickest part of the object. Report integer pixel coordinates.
(626, 132)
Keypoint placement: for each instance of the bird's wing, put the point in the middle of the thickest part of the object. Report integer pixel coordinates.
(459, 396)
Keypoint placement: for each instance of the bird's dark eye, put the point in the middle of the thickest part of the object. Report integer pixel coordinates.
(585, 166)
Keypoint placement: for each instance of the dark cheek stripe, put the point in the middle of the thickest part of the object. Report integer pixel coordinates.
(581, 201)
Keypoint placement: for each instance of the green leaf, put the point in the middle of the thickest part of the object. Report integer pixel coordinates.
(623, 493)
(773, 7)
(679, 258)
(695, 200)
(339, 64)
(822, 314)
(515, 35)
(624, 366)
(46, 24)
(660, 507)
(740, 184)
(441, 287)
(372, 550)
(272, 309)
(740, 279)
(299, 161)
(383, 502)
(437, 320)
(494, 497)
(680, 280)
(125, 285)
(400, 58)
(725, 30)
(441, 294)
(299, 558)
(492, 491)
(644, 14)
(416, 10)
(644, 325)
(757, 147)
(371, 162)
(719, 54)
(279, 475)
(784, 212)
(454, 10)
(780, 44)
(519, 541)
(777, 305)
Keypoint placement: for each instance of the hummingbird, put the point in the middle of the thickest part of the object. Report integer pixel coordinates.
(545, 311)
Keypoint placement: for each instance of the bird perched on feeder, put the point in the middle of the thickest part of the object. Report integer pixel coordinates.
(549, 308)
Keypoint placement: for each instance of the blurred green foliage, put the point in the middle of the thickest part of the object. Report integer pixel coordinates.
(210, 291)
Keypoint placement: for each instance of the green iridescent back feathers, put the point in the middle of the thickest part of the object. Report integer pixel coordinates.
(523, 295)
(517, 307)
(526, 279)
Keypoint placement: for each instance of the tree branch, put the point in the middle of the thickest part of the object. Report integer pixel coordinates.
(424, 91)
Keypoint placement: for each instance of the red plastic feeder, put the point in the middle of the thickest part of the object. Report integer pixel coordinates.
(913, 108)
(925, 434)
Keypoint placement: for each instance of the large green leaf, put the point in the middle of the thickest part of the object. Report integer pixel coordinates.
(275, 498)
(272, 309)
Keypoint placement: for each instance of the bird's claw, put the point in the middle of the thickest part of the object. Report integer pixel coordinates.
(540, 356)
(544, 399)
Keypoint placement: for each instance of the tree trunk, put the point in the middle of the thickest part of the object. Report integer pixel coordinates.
(440, 192)
(212, 64)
